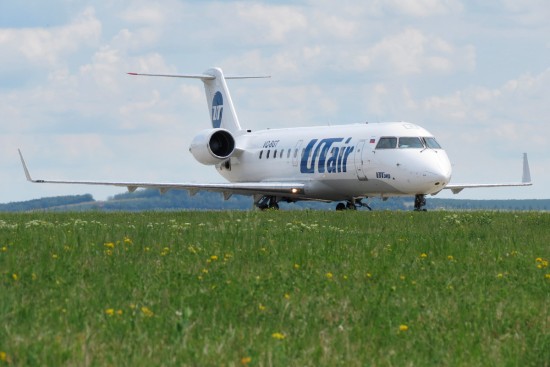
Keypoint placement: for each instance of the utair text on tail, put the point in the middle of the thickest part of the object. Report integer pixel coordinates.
(341, 163)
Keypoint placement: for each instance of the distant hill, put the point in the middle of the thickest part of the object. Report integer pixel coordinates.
(181, 200)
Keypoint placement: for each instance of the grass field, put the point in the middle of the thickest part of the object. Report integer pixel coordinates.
(275, 288)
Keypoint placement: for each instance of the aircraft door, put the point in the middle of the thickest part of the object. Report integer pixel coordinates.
(358, 159)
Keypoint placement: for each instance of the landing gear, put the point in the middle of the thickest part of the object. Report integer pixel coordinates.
(352, 204)
(420, 203)
(267, 202)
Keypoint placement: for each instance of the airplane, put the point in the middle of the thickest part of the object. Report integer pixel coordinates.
(337, 163)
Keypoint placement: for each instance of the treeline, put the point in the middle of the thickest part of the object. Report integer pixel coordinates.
(47, 203)
(142, 200)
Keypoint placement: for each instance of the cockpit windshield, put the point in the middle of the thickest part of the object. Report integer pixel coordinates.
(413, 142)
(407, 142)
(431, 143)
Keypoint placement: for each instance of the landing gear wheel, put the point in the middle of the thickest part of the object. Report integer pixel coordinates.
(340, 207)
(420, 203)
(267, 202)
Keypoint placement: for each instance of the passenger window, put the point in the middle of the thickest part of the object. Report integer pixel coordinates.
(261, 152)
(275, 154)
(288, 154)
(412, 142)
(267, 156)
(281, 154)
(432, 143)
(387, 143)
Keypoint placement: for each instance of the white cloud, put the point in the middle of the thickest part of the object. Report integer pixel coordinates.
(412, 52)
(47, 46)
(424, 8)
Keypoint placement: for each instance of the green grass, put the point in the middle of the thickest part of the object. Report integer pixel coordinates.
(275, 288)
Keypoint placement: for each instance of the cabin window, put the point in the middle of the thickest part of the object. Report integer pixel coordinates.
(387, 143)
(267, 155)
(261, 152)
(431, 143)
(275, 154)
(282, 152)
(288, 154)
(410, 142)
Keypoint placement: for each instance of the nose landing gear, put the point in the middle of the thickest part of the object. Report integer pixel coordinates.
(419, 203)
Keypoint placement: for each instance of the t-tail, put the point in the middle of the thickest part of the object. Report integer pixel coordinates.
(220, 105)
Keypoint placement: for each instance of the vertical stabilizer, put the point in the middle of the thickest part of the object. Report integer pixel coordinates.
(220, 105)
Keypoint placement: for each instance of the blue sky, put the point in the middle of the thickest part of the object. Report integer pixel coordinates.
(474, 74)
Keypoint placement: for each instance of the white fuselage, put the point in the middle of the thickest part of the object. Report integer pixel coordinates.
(343, 161)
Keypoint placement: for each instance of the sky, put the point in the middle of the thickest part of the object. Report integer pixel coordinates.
(474, 74)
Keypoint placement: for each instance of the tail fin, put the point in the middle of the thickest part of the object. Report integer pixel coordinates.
(220, 105)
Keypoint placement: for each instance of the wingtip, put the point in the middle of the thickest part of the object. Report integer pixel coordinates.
(526, 177)
(27, 174)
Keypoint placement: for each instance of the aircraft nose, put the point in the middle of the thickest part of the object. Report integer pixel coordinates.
(438, 173)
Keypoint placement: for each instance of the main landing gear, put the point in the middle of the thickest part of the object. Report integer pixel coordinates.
(419, 203)
(352, 204)
(267, 202)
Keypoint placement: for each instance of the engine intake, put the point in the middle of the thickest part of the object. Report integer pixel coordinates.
(212, 146)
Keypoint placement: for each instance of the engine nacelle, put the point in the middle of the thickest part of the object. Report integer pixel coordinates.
(212, 146)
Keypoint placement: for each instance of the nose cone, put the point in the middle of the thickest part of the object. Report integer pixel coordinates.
(437, 172)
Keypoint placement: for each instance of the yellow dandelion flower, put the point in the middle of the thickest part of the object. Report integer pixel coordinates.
(119, 312)
(547, 276)
(246, 360)
(110, 311)
(261, 307)
(4, 249)
(15, 277)
(345, 277)
(296, 266)
(109, 244)
(33, 276)
(544, 263)
(147, 312)
(286, 296)
(128, 240)
(450, 258)
(205, 271)
(369, 275)
(3, 357)
(500, 275)
(538, 259)
(403, 328)
(108, 252)
(423, 255)
(147, 249)
(54, 256)
(213, 258)
(402, 277)
(278, 336)
(329, 275)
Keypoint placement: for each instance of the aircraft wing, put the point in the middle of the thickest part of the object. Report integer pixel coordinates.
(290, 189)
(525, 181)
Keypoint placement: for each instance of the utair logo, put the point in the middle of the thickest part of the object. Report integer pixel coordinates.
(326, 155)
(217, 110)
